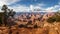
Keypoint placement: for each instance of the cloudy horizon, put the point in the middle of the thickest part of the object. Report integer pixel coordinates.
(32, 5)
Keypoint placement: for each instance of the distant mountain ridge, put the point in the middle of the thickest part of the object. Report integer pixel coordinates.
(18, 13)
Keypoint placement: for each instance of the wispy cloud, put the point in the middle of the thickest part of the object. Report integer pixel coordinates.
(35, 8)
(53, 8)
(8, 2)
(23, 8)
(20, 8)
(39, 7)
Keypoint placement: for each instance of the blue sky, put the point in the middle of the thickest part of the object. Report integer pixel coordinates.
(29, 2)
(32, 5)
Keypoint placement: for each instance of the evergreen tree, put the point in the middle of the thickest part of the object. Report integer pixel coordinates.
(4, 8)
(7, 13)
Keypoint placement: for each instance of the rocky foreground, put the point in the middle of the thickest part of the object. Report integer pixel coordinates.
(47, 29)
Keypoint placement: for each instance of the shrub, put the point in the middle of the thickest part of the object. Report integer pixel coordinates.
(51, 20)
(29, 22)
(58, 19)
(35, 26)
(21, 25)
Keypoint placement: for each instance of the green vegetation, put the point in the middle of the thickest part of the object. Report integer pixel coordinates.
(35, 26)
(0, 20)
(51, 20)
(55, 18)
(7, 13)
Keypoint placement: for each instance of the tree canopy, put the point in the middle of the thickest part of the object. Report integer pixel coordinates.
(7, 13)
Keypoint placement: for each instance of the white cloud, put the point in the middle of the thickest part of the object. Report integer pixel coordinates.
(20, 8)
(39, 8)
(59, 8)
(7, 2)
(23, 8)
(35, 8)
(53, 8)
(31, 7)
